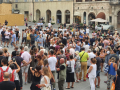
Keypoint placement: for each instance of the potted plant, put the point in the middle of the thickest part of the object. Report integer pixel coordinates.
(34, 21)
(52, 23)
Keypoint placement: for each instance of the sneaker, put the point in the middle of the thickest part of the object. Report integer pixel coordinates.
(54, 89)
(7, 47)
(97, 86)
(84, 80)
(25, 83)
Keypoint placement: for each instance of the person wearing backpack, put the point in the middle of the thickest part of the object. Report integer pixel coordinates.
(15, 78)
(4, 68)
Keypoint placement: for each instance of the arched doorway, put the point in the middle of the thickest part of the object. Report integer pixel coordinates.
(91, 16)
(67, 17)
(84, 17)
(48, 16)
(101, 15)
(118, 20)
(37, 15)
(59, 16)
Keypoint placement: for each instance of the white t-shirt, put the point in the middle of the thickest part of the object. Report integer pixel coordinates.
(38, 24)
(87, 31)
(86, 47)
(72, 51)
(82, 31)
(44, 36)
(4, 69)
(49, 24)
(1, 31)
(72, 64)
(16, 75)
(52, 63)
(91, 55)
(26, 56)
(7, 35)
(93, 71)
(41, 32)
(60, 29)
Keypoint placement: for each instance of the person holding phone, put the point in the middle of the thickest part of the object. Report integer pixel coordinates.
(7, 37)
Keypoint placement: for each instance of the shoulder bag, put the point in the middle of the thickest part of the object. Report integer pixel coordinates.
(69, 69)
(82, 55)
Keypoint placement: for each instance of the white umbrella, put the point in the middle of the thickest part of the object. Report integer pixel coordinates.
(98, 20)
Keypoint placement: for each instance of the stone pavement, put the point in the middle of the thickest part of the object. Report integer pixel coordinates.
(77, 86)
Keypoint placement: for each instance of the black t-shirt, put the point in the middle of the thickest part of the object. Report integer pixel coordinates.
(13, 53)
(18, 59)
(91, 41)
(117, 85)
(7, 85)
(17, 32)
(2, 33)
(98, 63)
(32, 37)
(1, 57)
(115, 56)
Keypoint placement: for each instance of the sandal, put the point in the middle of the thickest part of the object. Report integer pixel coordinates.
(67, 88)
(77, 81)
(72, 87)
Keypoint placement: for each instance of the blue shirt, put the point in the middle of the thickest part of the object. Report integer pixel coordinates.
(40, 40)
(13, 37)
(36, 37)
(77, 48)
(80, 36)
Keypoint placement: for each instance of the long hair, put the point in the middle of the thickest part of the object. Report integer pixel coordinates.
(46, 72)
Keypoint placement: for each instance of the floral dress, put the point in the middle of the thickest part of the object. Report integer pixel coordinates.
(77, 65)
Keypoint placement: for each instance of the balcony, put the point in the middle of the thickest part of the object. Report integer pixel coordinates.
(114, 2)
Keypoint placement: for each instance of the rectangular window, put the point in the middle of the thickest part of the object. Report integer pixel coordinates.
(7, 0)
(16, 5)
(36, 0)
(25, 0)
(43, 0)
(16, 0)
(110, 19)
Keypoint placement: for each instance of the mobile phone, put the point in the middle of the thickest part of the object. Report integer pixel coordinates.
(14, 60)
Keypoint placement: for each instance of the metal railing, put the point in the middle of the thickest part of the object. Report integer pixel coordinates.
(114, 2)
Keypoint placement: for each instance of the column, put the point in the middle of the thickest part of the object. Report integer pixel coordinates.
(86, 19)
(63, 17)
(83, 0)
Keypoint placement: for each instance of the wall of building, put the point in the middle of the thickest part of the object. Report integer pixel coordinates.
(5, 8)
(13, 19)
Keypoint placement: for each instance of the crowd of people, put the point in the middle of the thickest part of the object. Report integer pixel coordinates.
(45, 53)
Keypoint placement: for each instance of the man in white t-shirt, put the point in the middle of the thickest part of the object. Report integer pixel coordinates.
(49, 24)
(72, 50)
(7, 37)
(27, 57)
(86, 46)
(52, 60)
(87, 30)
(44, 37)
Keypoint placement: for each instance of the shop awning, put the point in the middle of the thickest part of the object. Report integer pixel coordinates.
(76, 13)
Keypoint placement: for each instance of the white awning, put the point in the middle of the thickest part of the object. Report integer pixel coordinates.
(76, 13)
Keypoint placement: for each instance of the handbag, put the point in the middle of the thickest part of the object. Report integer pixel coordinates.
(106, 69)
(82, 55)
(69, 69)
(113, 84)
(47, 88)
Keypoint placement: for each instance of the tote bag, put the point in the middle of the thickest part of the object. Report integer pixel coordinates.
(113, 84)
(47, 88)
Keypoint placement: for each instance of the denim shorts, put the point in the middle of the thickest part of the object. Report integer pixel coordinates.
(97, 73)
(3, 39)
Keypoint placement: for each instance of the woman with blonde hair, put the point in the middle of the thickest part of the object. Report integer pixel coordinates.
(92, 73)
(45, 81)
(112, 71)
(6, 53)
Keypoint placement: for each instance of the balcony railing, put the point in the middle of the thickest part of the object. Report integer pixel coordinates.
(114, 2)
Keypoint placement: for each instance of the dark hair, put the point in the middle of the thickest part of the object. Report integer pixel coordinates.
(45, 54)
(114, 51)
(38, 67)
(45, 62)
(86, 42)
(93, 60)
(71, 56)
(118, 72)
(1, 52)
(94, 51)
(61, 51)
(4, 61)
(51, 52)
(17, 53)
(82, 48)
(31, 52)
(12, 66)
(21, 47)
(98, 53)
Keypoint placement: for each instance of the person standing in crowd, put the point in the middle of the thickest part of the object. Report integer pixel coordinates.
(61, 74)
(98, 59)
(44, 37)
(2, 36)
(15, 78)
(40, 41)
(27, 57)
(24, 36)
(28, 39)
(17, 35)
(83, 59)
(19, 60)
(1, 57)
(86, 46)
(72, 50)
(7, 37)
(13, 40)
(6, 54)
(52, 63)
(112, 71)
(14, 52)
(6, 84)
(32, 38)
(77, 65)
(70, 75)
(92, 73)
(6, 22)
(36, 77)
(87, 30)
(36, 37)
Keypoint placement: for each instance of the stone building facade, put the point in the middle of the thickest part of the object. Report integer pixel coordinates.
(86, 10)
(54, 10)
